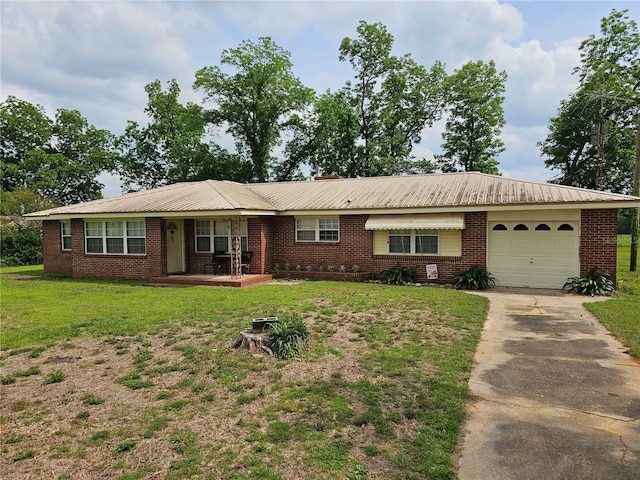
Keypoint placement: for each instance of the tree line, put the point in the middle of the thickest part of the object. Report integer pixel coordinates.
(368, 127)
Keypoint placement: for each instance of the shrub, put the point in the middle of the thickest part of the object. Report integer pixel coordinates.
(399, 275)
(475, 278)
(288, 337)
(20, 245)
(593, 283)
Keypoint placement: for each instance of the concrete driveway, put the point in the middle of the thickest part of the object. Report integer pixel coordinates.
(553, 394)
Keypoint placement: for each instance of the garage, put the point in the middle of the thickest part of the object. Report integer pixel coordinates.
(533, 249)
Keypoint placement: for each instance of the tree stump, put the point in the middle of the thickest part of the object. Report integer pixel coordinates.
(254, 342)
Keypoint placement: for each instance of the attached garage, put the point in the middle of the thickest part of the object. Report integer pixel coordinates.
(533, 248)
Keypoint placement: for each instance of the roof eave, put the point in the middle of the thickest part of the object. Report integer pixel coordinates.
(180, 214)
(467, 208)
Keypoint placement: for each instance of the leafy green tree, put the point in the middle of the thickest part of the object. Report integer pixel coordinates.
(24, 127)
(591, 141)
(258, 102)
(171, 148)
(22, 200)
(476, 117)
(370, 126)
(328, 141)
(59, 159)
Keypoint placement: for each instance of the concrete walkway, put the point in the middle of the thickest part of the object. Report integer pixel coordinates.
(553, 394)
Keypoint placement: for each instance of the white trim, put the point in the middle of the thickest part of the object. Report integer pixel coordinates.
(63, 236)
(124, 237)
(212, 236)
(416, 222)
(317, 229)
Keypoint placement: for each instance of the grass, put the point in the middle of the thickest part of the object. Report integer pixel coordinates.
(621, 315)
(380, 391)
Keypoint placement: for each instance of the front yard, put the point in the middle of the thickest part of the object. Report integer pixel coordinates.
(126, 381)
(120, 380)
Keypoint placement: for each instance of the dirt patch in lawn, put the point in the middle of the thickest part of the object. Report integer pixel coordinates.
(181, 403)
(188, 395)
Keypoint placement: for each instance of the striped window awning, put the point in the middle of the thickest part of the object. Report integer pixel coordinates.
(434, 221)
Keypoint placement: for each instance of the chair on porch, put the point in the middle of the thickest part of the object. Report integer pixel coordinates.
(245, 261)
(218, 262)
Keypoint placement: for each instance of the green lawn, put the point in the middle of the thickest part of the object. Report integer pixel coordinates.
(621, 315)
(128, 381)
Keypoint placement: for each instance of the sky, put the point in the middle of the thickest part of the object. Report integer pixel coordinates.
(96, 57)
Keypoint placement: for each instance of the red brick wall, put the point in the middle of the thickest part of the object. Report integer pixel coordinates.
(56, 260)
(261, 242)
(598, 241)
(272, 239)
(142, 267)
(356, 248)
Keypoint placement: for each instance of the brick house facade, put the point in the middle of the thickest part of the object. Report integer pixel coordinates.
(529, 234)
(272, 239)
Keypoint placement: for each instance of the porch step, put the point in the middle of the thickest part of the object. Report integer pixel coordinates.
(212, 280)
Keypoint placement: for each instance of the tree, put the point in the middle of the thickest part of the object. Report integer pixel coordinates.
(257, 103)
(171, 148)
(24, 127)
(328, 141)
(60, 159)
(22, 200)
(591, 141)
(476, 117)
(370, 126)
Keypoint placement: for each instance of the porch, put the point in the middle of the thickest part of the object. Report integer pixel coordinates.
(246, 280)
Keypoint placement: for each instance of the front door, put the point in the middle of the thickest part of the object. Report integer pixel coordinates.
(175, 246)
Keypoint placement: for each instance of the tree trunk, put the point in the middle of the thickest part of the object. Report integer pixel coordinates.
(635, 221)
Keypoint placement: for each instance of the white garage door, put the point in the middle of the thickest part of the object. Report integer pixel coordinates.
(533, 253)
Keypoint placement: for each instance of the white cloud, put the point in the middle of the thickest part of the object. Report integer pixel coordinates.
(97, 56)
(94, 57)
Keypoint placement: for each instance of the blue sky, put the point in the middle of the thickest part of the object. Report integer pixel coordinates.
(96, 57)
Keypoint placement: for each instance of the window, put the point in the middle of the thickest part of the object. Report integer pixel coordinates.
(426, 242)
(317, 229)
(417, 242)
(543, 226)
(65, 232)
(215, 236)
(521, 227)
(499, 226)
(399, 241)
(115, 237)
(565, 227)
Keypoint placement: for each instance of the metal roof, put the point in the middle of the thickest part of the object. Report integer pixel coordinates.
(448, 191)
(465, 189)
(205, 196)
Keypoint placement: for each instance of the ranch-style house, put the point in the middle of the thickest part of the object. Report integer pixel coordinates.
(525, 233)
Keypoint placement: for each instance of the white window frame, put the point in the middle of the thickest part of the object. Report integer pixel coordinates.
(320, 229)
(104, 231)
(412, 235)
(219, 229)
(65, 234)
